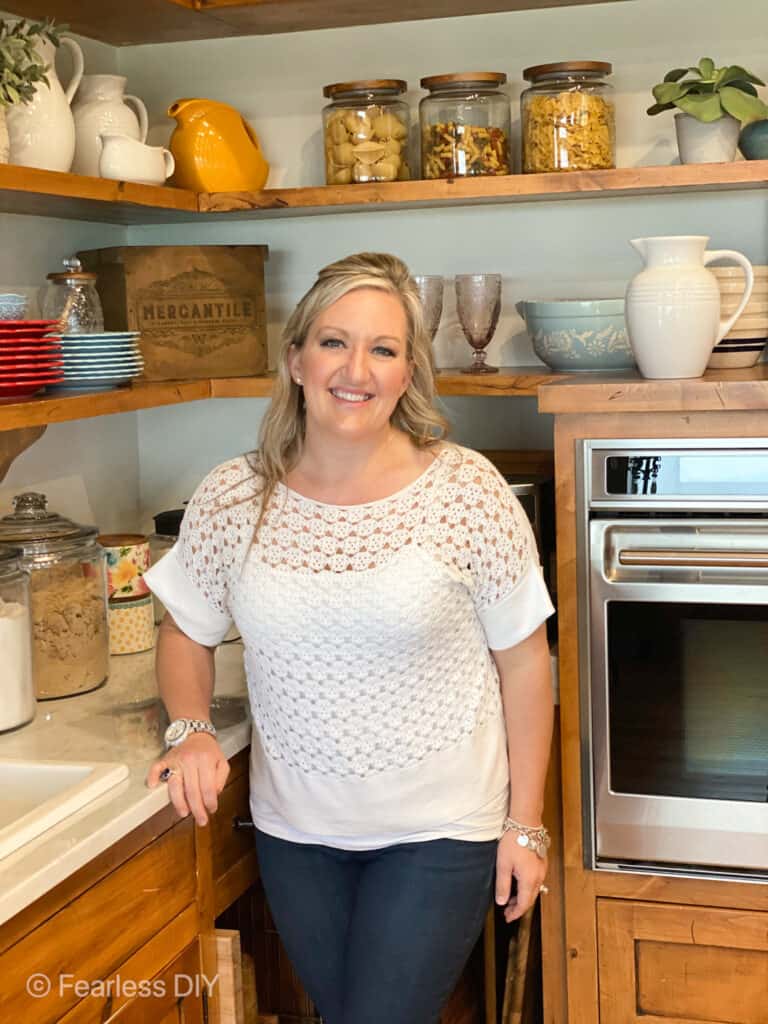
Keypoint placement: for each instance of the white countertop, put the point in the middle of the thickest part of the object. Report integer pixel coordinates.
(115, 723)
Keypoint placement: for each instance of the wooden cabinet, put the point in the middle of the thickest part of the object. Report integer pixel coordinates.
(677, 964)
(126, 937)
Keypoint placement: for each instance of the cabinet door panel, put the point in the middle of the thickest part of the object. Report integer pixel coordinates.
(676, 964)
(177, 995)
(90, 937)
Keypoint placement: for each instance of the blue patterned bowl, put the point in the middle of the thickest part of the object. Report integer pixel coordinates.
(579, 334)
(12, 306)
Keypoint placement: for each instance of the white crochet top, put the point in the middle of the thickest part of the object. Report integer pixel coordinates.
(366, 629)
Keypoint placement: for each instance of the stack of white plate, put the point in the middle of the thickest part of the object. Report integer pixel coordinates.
(744, 343)
(101, 361)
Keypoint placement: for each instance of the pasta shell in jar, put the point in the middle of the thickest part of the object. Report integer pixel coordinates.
(365, 131)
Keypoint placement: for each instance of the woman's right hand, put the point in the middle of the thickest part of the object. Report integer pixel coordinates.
(198, 772)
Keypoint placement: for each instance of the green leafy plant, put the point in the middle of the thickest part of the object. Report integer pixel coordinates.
(709, 93)
(21, 68)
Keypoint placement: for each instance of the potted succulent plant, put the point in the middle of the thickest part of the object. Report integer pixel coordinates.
(713, 104)
(21, 68)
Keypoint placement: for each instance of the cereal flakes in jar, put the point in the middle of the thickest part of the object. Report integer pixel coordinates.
(568, 118)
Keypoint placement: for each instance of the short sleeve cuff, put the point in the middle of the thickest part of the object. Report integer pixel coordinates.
(516, 616)
(191, 612)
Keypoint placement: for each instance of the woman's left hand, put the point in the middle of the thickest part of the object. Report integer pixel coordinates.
(528, 870)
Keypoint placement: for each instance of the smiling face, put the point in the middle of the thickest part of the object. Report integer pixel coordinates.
(354, 364)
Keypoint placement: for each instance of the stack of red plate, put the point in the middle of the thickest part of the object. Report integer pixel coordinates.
(30, 357)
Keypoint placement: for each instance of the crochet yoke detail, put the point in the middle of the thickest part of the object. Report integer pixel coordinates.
(460, 510)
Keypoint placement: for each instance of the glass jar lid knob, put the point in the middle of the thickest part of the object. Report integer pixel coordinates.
(30, 505)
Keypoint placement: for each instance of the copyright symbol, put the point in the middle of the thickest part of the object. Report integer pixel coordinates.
(38, 985)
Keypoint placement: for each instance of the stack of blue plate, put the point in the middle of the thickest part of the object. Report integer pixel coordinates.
(100, 361)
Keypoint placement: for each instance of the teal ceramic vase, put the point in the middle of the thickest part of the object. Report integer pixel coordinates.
(753, 141)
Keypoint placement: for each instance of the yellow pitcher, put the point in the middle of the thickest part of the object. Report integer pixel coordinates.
(215, 148)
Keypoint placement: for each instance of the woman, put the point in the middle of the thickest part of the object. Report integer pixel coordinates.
(387, 590)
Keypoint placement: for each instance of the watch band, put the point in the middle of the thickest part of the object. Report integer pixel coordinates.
(181, 728)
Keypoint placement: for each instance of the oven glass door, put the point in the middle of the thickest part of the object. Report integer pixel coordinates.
(678, 694)
(688, 700)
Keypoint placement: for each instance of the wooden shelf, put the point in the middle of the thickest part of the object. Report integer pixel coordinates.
(53, 194)
(59, 407)
(166, 21)
(717, 391)
(513, 188)
(30, 190)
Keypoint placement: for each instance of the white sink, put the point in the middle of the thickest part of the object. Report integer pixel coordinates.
(36, 795)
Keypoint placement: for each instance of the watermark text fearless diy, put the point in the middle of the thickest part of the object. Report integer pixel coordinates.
(117, 987)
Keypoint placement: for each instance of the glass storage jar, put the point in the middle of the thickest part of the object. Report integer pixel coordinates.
(68, 591)
(18, 704)
(365, 130)
(568, 117)
(72, 299)
(465, 125)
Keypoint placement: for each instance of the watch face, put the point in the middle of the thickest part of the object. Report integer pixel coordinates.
(175, 731)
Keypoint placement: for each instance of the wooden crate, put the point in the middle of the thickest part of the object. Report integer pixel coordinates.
(200, 308)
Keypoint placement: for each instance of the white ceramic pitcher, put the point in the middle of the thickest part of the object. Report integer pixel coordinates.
(42, 132)
(101, 105)
(673, 306)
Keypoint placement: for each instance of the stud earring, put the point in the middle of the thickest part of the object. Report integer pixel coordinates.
(299, 381)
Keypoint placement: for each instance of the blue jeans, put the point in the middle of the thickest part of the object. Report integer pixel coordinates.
(378, 936)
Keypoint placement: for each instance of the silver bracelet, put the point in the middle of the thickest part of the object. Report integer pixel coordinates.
(535, 838)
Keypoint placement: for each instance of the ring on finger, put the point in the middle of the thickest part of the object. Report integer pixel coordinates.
(166, 773)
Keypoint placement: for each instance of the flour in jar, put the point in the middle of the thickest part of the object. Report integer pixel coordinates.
(17, 704)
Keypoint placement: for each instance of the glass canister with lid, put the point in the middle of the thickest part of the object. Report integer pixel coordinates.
(17, 706)
(465, 125)
(71, 298)
(568, 117)
(68, 597)
(365, 130)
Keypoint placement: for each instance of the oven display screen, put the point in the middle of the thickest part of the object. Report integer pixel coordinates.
(674, 474)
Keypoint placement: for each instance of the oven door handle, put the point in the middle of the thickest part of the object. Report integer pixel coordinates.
(694, 559)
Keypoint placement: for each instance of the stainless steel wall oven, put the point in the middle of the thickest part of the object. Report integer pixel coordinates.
(673, 578)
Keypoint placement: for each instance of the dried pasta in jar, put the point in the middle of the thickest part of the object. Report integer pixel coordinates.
(365, 132)
(465, 125)
(568, 118)
(450, 150)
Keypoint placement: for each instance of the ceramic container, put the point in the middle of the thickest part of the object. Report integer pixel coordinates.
(673, 305)
(700, 143)
(215, 148)
(579, 334)
(42, 132)
(101, 106)
(12, 306)
(131, 626)
(126, 159)
(127, 560)
(753, 141)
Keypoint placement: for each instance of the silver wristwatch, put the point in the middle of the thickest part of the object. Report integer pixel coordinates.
(181, 728)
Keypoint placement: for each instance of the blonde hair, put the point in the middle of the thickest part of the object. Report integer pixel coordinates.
(281, 437)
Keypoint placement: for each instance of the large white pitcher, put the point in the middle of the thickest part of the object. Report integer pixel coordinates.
(102, 106)
(42, 132)
(673, 306)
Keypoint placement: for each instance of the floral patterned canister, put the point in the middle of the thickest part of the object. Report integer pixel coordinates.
(127, 561)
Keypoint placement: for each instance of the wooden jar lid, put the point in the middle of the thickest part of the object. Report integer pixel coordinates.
(563, 67)
(481, 77)
(369, 85)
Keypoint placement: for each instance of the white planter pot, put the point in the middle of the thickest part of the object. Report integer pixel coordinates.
(713, 143)
(5, 145)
